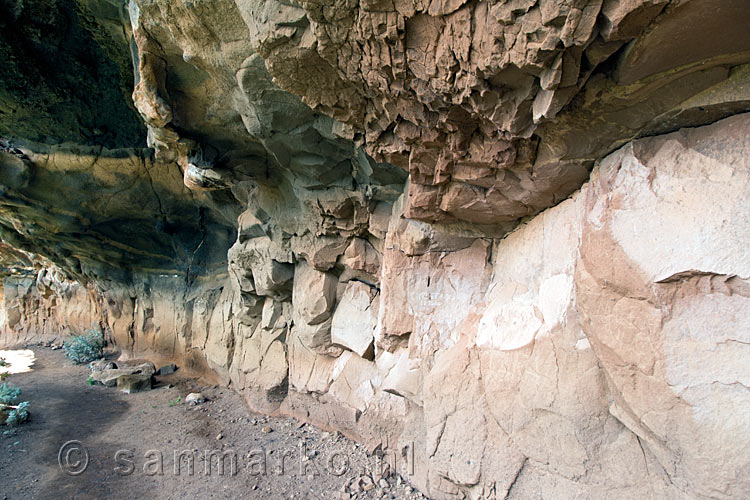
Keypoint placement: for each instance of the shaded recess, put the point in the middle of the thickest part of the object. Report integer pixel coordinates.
(109, 213)
(67, 74)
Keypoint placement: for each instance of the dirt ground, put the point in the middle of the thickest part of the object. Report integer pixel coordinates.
(131, 441)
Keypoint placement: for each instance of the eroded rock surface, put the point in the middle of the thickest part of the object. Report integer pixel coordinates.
(502, 242)
(490, 105)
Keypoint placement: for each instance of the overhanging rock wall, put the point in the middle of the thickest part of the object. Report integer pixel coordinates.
(503, 242)
(597, 351)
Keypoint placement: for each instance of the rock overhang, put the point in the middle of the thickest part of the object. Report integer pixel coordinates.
(344, 212)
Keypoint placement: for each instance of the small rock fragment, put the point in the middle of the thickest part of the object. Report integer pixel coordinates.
(195, 398)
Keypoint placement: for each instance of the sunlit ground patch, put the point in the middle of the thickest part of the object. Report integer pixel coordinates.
(18, 361)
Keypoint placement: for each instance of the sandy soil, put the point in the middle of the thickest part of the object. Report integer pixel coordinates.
(131, 441)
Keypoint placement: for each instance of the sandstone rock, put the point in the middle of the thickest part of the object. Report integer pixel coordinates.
(678, 363)
(275, 314)
(360, 255)
(134, 383)
(621, 20)
(300, 157)
(249, 227)
(309, 372)
(471, 83)
(316, 337)
(440, 285)
(313, 300)
(354, 322)
(314, 293)
(354, 380)
(321, 252)
(205, 179)
(271, 276)
(110, 376)
(220, 339)
(404, 375)
(273, 367)
(195, 398)
(102, 365)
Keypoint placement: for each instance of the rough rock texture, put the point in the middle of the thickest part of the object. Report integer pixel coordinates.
(503, 242)
(129, 378)
(56, 55)
(488, 104)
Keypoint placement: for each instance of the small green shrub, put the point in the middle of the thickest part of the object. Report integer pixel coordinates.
(19, 415)
(8, 394)
(3, 362)
(84, 348)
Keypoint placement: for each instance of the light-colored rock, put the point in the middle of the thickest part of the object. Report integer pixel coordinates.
(667, 322)
(195, 398)
(313, 300)
(309, 372)
(465, 96)
(270, 275)
(361, 256)
(354, 381)
(273, 367)
(110, 376)
(441, 286)
(275, 314)
(404, 375)
(354, 322)
(102, 365)
(524, 341)
(314, 293)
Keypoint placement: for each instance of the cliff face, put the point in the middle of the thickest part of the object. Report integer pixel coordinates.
(504, 242)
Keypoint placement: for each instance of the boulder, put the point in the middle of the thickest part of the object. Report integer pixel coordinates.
(134, 383)
(195, 398)
(109, 377)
